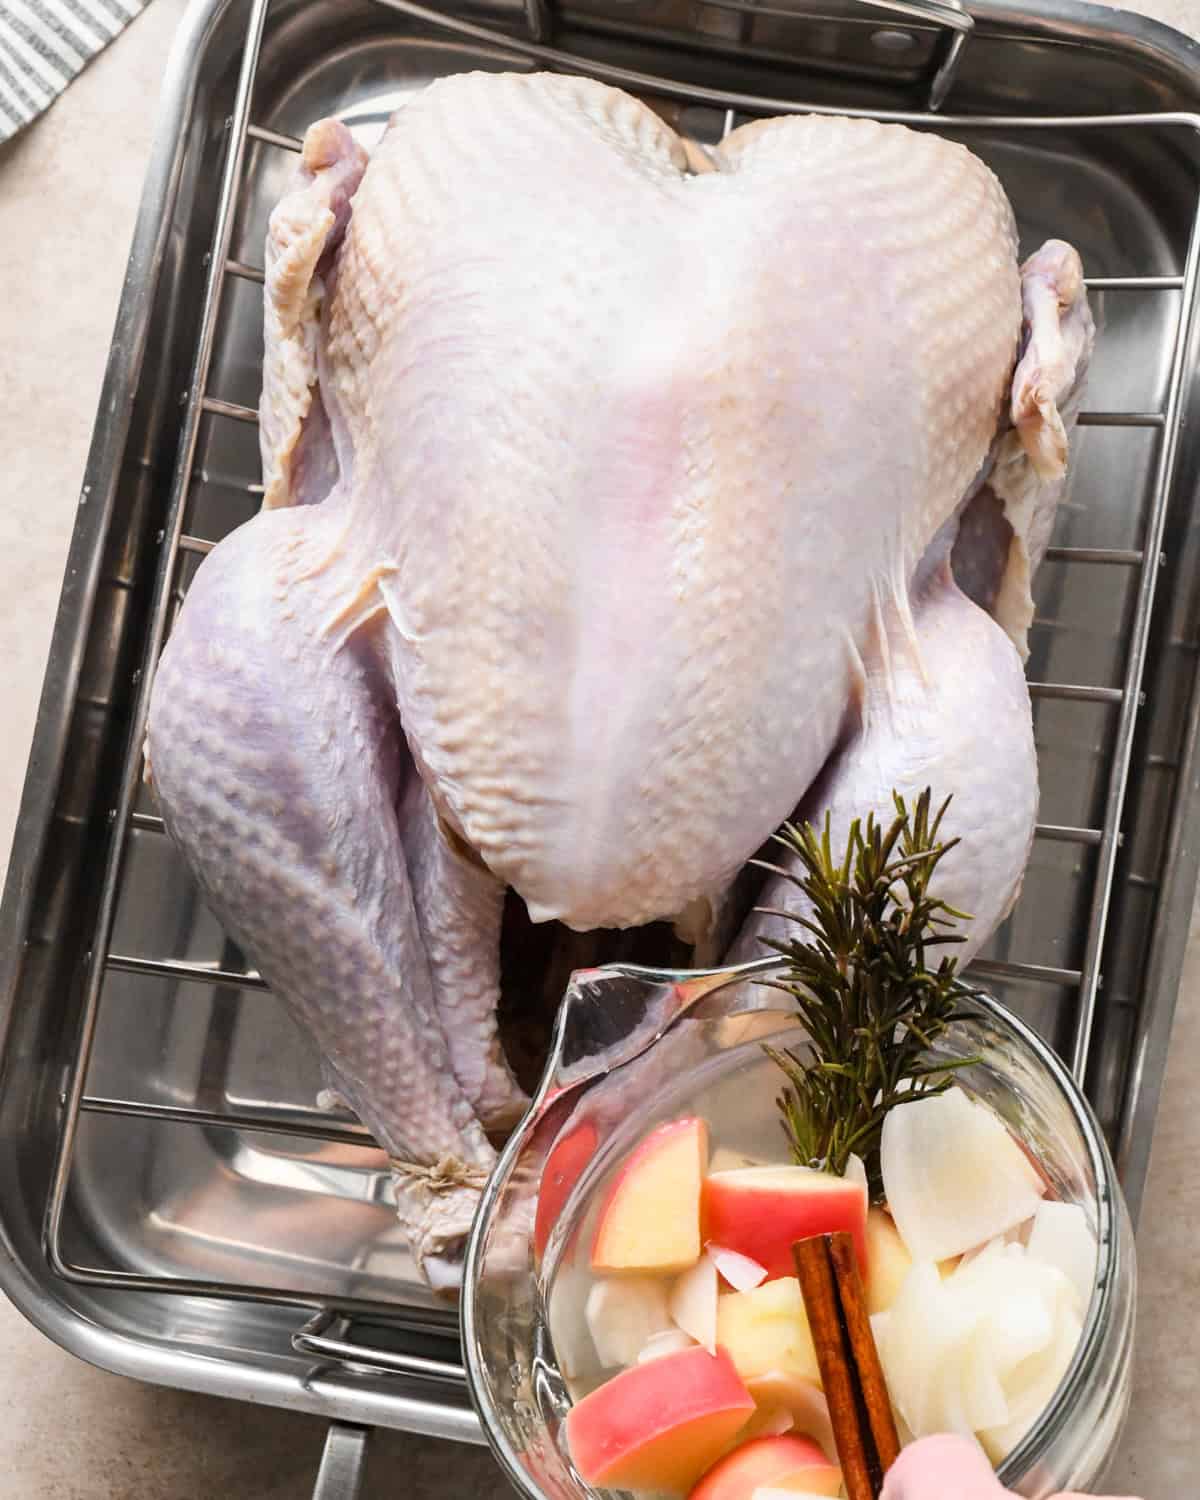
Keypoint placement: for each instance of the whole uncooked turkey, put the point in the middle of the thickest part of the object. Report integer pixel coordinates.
(620, 497)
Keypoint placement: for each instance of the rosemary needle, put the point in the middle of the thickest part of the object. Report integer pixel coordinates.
(871, 993)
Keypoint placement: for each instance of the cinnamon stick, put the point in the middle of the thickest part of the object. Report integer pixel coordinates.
(871, 1379)
(815, 1270)
(851, 1374)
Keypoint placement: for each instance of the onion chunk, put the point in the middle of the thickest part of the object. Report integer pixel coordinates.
(953, 1175)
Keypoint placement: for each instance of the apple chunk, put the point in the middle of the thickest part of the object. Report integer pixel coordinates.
(568, 1157)
(724, 1159)
(658, 1426)
(888, 1262)
(788, 1463)
(650, 1220)
(803, 1401)
(767, 1329)
(760, 1211)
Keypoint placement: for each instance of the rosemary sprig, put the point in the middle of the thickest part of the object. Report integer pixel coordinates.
(872, 996)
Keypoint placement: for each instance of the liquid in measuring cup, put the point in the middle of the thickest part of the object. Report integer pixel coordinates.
(678, 1322)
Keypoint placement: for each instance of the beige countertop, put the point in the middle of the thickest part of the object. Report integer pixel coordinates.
(69, 189)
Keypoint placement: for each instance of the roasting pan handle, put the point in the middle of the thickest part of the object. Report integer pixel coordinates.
(343, 1463)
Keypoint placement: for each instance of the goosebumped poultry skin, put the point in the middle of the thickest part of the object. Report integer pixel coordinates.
(589, 480)
(944, 702)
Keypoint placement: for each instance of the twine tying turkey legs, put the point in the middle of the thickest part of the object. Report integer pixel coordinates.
(444, 1176)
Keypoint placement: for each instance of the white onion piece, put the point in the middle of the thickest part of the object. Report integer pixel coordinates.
(947, 1399)
(693, 1303)
(1008, 1265)
(953, 1176)
(622, 1314)
(670, 1341)
(962, 1353)
(919, 1340)
(856, 1170)
(983, 1396)
(1017, 1301)
(1022, 1327)
(968, 1257)
(742, 1273)
(979, 1256)
(1040, 1378)
(1061, 1237)
(769, 1492)
(767, 1421)
(574, 1347)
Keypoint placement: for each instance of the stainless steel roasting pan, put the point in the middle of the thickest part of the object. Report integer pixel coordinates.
(173, 1205)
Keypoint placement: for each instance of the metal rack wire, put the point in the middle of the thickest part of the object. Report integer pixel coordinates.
(316, 1336)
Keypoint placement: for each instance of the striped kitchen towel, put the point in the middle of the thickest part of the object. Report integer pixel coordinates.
(44, 44)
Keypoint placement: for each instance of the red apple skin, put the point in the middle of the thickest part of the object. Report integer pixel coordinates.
(786, 1462)
(563, 1169)
(764, 1220)
(659, 1425)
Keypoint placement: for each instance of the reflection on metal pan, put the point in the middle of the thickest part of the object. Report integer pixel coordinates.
(174, 1204)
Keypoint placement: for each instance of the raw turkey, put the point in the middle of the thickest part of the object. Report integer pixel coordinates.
(616, 494)
(942, 702)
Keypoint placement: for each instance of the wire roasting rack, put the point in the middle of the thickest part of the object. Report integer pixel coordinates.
(361, 1325)
(178, 543)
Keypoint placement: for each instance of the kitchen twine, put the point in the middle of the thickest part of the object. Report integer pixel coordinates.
(44, 44)
(443, 1176)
